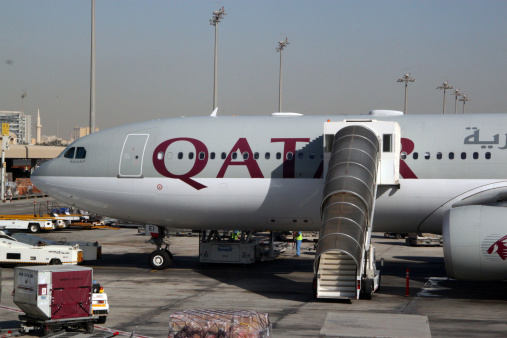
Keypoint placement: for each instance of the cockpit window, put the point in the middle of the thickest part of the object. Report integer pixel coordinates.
(80, 152)
(69, 153)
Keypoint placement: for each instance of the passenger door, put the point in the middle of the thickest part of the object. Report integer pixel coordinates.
(132, 155)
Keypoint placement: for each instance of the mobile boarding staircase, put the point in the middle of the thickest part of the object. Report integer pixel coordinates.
(362, 154)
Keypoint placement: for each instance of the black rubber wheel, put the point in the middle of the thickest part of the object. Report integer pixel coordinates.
(160, 260)
(55, 261)
(47, 329)
(101, 320)
(89, 327)
(33, 228)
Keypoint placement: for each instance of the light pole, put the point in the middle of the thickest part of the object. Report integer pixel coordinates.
(281, 46)
(406, 78)
(217, 16)
(57, 121)
(92, 73)
(444, 86)
(464, 98)
(456, 93)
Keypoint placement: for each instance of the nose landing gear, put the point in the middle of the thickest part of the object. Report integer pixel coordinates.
(161, 258)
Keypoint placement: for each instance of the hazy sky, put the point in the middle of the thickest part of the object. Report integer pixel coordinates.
(154, 59)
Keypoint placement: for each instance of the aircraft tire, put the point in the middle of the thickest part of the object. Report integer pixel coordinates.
(160, 260)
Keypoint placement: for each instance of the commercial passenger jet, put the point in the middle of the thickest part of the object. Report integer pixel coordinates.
(268, 173)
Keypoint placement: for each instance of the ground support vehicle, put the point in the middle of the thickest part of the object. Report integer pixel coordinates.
(28, 224)
(424, 240)
(54, 297)
(397, 235)
(91, 250)
(49, 326)
(15, 252)
(100, 305)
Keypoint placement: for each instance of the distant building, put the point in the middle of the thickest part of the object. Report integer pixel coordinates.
(38, 128)
(80, 132)
(19, 124)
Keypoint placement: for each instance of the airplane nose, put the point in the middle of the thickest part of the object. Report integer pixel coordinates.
(39, 175)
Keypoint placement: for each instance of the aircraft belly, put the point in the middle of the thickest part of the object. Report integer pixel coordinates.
(263, 204)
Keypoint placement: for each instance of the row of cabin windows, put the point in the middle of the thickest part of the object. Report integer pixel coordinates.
(289, 156)
(463, 156)
(76, 153)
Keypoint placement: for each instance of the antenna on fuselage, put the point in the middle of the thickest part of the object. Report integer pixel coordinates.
(214, 114)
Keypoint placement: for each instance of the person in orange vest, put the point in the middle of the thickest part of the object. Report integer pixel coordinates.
(298, 236)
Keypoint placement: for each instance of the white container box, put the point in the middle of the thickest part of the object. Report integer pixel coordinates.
(54, 291)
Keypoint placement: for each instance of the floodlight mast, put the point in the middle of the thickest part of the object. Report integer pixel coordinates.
(92, 73)
(456, 93)
(217, 16)
(445, 86)
(280, 48)
(464, 98)
(406, 78)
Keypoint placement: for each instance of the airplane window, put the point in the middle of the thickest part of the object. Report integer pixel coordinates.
(312, 156)
(289, 156)
(201, 155)
(80, 152)
(180, 156)
(278, 156)
(234, 156)
(427, 155)
(245, 155)
(488, 155)
(301, 155)
(212, 155)
(267, 156)
(169, 155)
(190, 156)
(451, 156)
(415, 156)
(403, 155)
(224, 156)
(256, 156)
(439, 156)
(70, 153)
(463, 156)
(476, 155)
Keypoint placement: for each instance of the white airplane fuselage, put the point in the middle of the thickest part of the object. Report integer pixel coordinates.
(183, 173)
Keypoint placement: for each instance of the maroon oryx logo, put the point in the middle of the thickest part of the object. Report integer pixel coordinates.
(499, 247)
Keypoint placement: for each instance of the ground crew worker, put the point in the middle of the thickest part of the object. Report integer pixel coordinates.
(298, 235)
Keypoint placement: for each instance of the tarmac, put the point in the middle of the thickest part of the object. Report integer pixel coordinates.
(142, 299)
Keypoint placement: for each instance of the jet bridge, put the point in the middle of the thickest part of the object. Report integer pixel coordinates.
(361, 155)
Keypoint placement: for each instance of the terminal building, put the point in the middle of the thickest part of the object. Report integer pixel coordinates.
(19, 126)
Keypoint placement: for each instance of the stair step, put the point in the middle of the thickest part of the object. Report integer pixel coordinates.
(335, 294)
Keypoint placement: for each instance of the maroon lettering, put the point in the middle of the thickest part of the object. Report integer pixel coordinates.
(199, 165)
(250, 163)
(407, 146)
(289, 165)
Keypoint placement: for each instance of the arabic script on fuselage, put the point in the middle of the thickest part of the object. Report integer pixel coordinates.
(474, 139)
